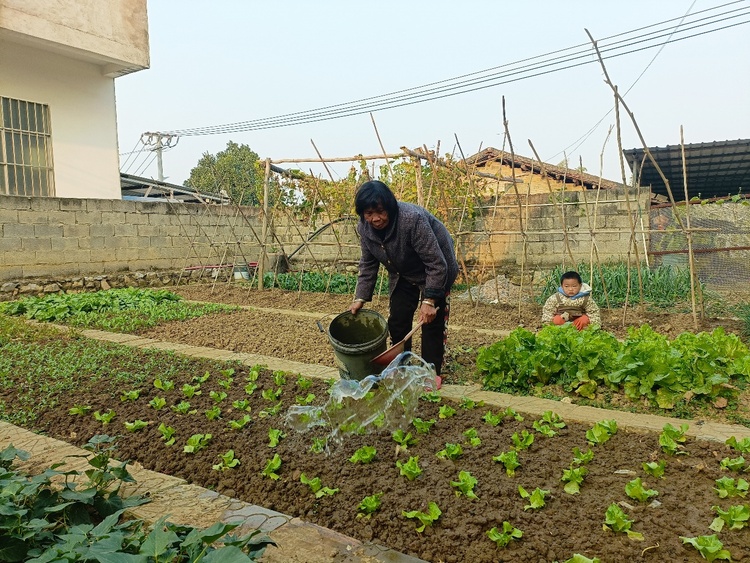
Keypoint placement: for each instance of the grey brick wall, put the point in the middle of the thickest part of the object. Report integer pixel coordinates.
(49, 237)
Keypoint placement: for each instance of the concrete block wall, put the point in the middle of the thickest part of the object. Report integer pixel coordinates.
(62, 237)
(498, 239)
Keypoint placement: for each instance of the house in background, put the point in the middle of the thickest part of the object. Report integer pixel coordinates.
(58, 122)
(528, 175)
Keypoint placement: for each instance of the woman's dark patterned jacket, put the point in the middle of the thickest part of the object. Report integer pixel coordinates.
(416, 247)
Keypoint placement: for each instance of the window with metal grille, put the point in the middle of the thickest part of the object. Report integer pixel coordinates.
(25, 149)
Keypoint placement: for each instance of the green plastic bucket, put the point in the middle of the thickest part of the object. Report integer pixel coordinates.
(357, 339)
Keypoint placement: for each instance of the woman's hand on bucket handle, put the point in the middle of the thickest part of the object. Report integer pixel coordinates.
(355, 306)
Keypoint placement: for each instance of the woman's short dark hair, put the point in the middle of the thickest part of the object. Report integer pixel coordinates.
(571, 275)
(372, 194)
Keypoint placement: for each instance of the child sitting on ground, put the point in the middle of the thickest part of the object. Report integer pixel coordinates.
(572, 303)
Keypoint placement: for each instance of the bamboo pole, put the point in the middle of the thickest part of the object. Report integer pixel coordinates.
(691, 257)
(264, 228)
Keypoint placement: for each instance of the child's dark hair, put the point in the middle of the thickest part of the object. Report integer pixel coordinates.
(374, 193)
(571, 275)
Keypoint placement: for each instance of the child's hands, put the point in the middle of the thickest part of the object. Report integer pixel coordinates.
(582, 322)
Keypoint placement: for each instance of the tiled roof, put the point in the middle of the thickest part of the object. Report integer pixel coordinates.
(528, 164)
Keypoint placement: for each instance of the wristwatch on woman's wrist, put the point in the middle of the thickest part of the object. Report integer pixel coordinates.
(429, 302)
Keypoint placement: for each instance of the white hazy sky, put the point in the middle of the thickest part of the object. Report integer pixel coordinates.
(228, 61)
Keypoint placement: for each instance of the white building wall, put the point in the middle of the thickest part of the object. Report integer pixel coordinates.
(82, 115)
(114, 33)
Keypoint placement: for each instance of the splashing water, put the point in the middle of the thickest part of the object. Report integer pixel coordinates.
(377, 402)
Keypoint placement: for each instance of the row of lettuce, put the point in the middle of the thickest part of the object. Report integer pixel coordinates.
(645, 364)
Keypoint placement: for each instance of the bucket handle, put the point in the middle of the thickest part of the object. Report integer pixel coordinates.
(320, 324)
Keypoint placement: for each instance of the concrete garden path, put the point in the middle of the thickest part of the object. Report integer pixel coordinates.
(298, 541)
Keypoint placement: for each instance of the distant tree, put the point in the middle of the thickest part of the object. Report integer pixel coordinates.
(237, 171)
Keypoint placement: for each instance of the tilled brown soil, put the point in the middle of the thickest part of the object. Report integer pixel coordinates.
(566, 525)
(298, 338)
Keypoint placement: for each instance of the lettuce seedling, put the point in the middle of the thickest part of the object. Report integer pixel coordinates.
(536, 497)
(465, 485)
(742, 446)
(493, 419)
(473, 437)
(79, 409)
(403, 440)
(167, 434)
(410, 469)
(196, 442)
(365, 454)
(254, 373)
(274, 437)
(316, 486)
(671, 439)
(226, 373)
(226, 383)
(510, 460)
(427, 519)
(573, 478)
(617, 521)
(369, 505)
(318, 445)
(433, 397)
(135, 426)
(270, 411)
(191, 391)
(279, 378)
(250, 388)
(202, 378)
(228, 461)
(552, 419)
(710, 547)
(183, 407)
(451, 451)
(733, 464)
(522, 441)
(601, 432)
(240, 423)
(469, 404)
(423, 426)
(213, 413)
(303, 383)
(242, 405)
(130, 395)
(726, 487)
(272, 394)
(104, 418)
(635, 490)
(272, 466)
(736, 517)
(655, 469)
(446, 411)
(580, 458)
(544, 429)
(578, 558)
(306, 400)
(217, 396)
(157, 403)
(504, 538)
(163, 384)
(511, 413)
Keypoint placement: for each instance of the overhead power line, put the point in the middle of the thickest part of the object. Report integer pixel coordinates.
(625, 43)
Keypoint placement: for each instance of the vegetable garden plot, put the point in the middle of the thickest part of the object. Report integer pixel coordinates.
(449, 462)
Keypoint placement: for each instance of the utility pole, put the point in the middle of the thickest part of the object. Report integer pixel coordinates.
(160, 141)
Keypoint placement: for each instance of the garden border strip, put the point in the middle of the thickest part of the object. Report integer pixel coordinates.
(186, 504)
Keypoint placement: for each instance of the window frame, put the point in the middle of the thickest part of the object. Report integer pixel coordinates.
(26, 167)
